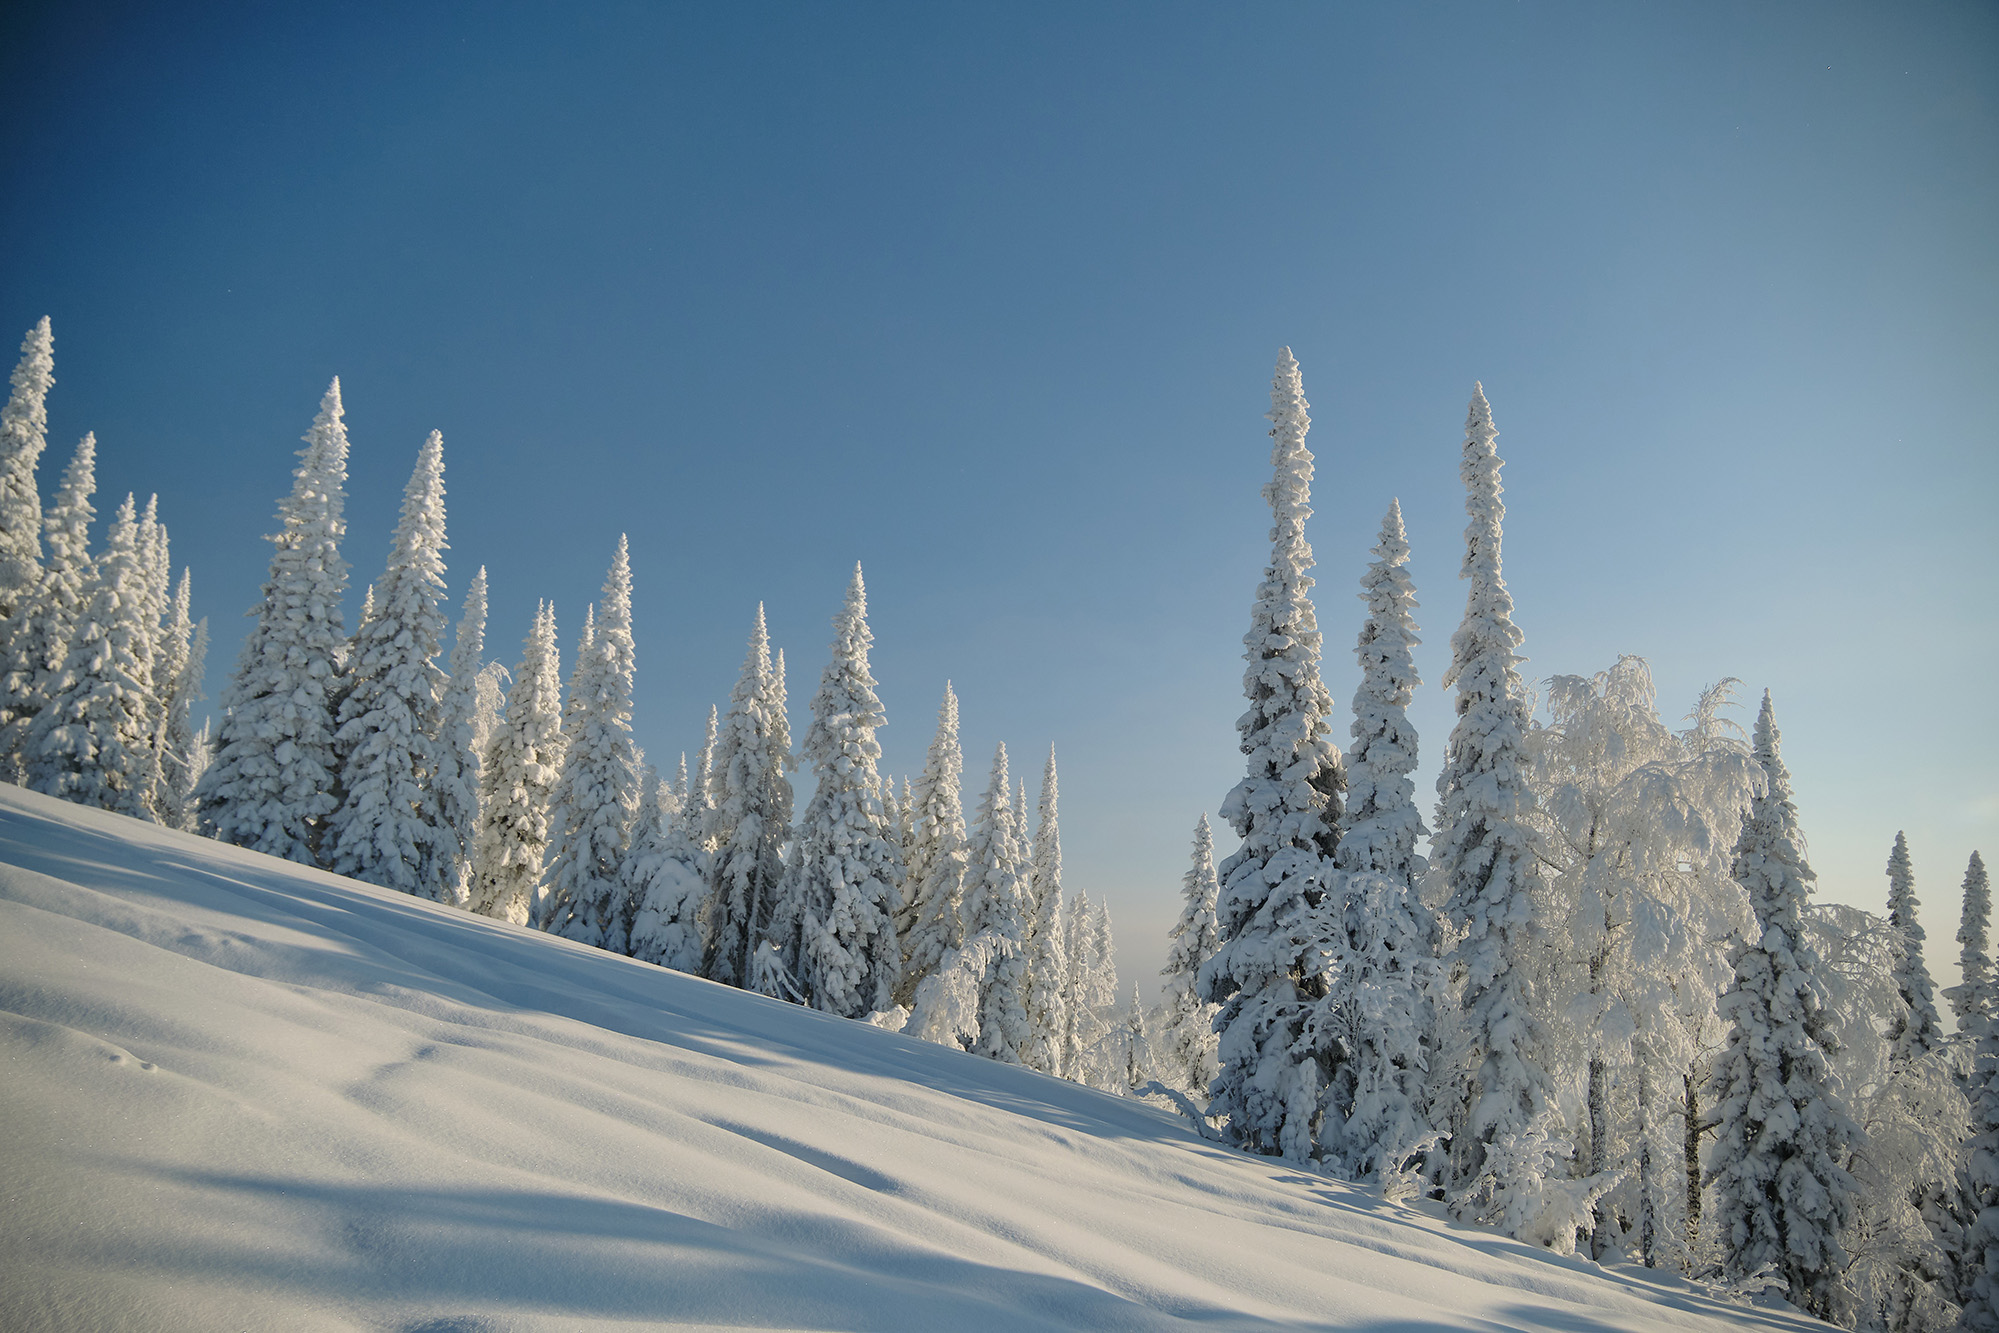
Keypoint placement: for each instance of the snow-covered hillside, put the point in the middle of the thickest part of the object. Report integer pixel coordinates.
(240, 1094)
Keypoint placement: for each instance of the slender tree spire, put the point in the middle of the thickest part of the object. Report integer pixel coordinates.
(1483, 855)
(846, 870)
(274, 774)
(1919, 1031)
(1782, 1195)
(996, 916)
(1382, 825)
(179, 658)
(517, 782)
(1286, 810)
(931, 922)
(597, 795)
(388, 829)
(24, 429)
(751, 815)
(1971, 999)
(1188, 1039)
(1047, 947)
(458, 757)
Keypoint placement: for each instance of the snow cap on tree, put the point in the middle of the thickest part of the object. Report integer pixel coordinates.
(388, 829)
(517, 782)
(1782, 1194)
(1972, 999)
(36, 639)
(1918, 1031)
(846, 870)
(931, 920)
(24, 428)
(1483, 858)
(1187, 1040)
(273, 777)
(597, 796)
(92, 743)
(1382, 825)
(1286, 810)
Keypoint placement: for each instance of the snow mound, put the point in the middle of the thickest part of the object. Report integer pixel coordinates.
(238, 1093)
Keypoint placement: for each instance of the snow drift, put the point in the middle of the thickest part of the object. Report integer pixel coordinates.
(239, 1093)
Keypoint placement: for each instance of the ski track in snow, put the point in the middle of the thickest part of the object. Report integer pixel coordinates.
(243, 1094)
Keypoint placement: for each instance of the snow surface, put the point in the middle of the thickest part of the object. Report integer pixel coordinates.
(238, 1093)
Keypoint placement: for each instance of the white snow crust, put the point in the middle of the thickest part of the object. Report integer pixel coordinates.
(240, 1093)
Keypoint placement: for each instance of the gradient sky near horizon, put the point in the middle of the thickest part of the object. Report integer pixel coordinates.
(987, 298)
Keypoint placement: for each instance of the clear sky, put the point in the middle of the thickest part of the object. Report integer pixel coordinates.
(988, 296)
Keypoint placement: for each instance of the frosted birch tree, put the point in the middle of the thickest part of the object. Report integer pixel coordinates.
(1508, 1151)
(1187, 1035)
(597, 795)
(270, 784)
(846, 868)
(517, 782)
(1286, 810)
(1782, 1192)
(931, 920)
(388, 829)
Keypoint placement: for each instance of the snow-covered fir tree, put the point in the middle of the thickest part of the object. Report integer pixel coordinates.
(1047, 945)
(458, 750)
(517, 782)
(35, 639)
(1381, 825)
(1916, 1030)
(1981, 1158)
(274, 774)
(1096, 993)
(92, 742)
(179, 660)
(697, 807)
(388, 829)
(1286, 810)
(846, 867)
(1137, 1043)
(24, 429)
(1483, 860)
(1087, 1026)
(668, 879)
(996, 914)
(597, 795)
(930, 922)
(1187, 1033)
(750, 815)
(1971, 999)
(1782, 1137)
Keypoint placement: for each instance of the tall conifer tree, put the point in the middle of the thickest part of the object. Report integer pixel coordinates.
(931, 921)
(996, 908)
(273, 777)
(517, 782)
(1918, 1031)
(1971, 999)
(1188, 1038)
(36, 637)
(24, 429)
(1286, 811)
(388, 829)
(1047, 945)
(458, 751)
(751, 815)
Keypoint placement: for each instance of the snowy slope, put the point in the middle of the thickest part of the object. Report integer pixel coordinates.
(239, 1094)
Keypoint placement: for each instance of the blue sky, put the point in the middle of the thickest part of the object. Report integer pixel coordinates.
(987, 297)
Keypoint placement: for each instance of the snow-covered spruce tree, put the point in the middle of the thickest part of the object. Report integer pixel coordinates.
(388, 829)
(1971, 999)
(1286, 810)
(1101, 1065)
(697, 804)
(750, 816)
(597, 795)
(1372, 1029)
(668, 879)
(931, 920)
(1634, 825)
(457, 782)
(1782, 1192)
(996, 914)
(92, 741)
(179, 657)
(1047, 947)
(1137, 1044)
(572, 714)
(846, 869)
(1187, 1037)
(35, 639)
(24, 429)
(272, 780)
(1981, 1159)
(1918, 1031)
(1487, 875)
(517, 782)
